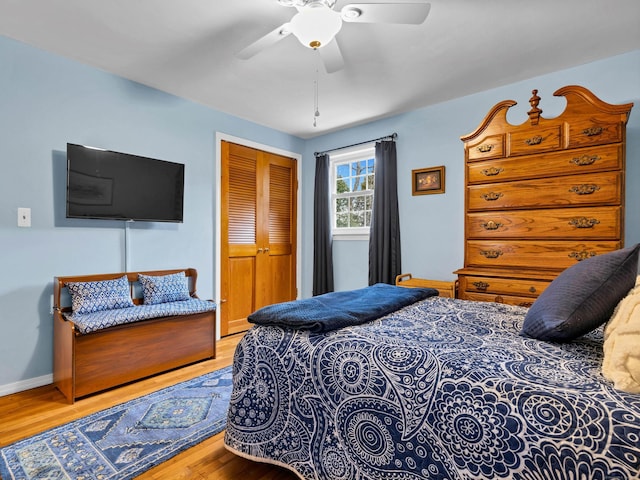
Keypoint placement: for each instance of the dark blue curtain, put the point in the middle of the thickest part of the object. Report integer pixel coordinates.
(384, 239)
(322, 239)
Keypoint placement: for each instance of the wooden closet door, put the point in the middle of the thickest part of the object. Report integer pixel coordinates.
(277, 235)
(258, 257)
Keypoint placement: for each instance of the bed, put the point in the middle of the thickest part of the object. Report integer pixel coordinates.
(440, 388)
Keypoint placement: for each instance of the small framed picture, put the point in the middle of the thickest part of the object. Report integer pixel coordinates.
(426, 181)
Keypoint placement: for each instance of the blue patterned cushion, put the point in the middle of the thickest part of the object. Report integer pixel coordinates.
(164, 288)
(91, 322)
(582, 297)
(87, 297)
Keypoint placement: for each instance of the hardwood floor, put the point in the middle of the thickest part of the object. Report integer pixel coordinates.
(33, 411)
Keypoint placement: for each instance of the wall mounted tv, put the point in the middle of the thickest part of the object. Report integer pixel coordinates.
(118, 186)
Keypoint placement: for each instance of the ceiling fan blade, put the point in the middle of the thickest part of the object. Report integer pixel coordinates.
(332, 56)
(407, 13)
(262, 43)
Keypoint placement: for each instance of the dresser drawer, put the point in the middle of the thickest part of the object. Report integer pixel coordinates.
(580, 161)
(593, 132)
(602, 223)
(591, 189)
(534, 140)
(505, 286)
(531, 254)
(491, 146)
(497, 298)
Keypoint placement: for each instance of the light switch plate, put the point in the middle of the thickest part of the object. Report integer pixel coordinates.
(24, 217)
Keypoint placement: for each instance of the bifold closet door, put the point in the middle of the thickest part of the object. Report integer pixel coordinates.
(258, 257)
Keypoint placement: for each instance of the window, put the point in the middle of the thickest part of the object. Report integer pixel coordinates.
(352, 186)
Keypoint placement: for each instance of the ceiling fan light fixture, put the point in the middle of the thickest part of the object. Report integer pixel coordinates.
(315, 25)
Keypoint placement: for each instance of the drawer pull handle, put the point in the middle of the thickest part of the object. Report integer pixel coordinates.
(585, 160)
(583, 255)
(592, 131)
(584, 222)
(491, 196)
(537, 140)
(485, 148)
(532, 289)
(491, 225)
(481, 285)
(492, 172)
(584, 189)
(490, 253)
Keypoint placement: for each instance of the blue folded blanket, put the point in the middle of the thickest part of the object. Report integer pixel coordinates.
(340, 309)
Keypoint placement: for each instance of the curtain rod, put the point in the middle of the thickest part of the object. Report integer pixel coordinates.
(393, 136)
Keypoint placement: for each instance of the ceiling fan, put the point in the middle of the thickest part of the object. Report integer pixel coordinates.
(317, 23)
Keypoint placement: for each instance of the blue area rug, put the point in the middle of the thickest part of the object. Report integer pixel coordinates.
(126, 440)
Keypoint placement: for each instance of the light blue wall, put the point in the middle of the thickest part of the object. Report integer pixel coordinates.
(47, 101)
(432, 225)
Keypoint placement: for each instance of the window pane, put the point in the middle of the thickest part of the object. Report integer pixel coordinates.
(370, 164)
(342, 220)
(359, 183)
(357, 219)
(358, 203)
(369, 202)
(370, 180)
(342, 170)
(342, 186)
(342, 205)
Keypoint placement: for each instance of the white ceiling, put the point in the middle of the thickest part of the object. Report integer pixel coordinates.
(188, 47)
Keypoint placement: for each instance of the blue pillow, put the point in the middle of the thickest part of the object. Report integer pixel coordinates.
(164, 288)
(582, 297)
(89, 297)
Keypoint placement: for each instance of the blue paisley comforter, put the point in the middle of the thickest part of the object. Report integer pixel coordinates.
(442, 389)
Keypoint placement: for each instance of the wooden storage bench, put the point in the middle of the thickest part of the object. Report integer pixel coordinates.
(445, 289)
(91, 362)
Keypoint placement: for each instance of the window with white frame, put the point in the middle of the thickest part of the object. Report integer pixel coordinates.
(352, 187)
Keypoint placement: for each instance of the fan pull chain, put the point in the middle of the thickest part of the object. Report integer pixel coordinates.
(316, 111)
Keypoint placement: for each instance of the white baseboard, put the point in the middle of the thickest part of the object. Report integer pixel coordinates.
(25, 384)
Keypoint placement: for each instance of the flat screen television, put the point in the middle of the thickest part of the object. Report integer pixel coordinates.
(118, 186)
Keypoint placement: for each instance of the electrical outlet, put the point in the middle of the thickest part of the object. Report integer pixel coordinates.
(24, 217)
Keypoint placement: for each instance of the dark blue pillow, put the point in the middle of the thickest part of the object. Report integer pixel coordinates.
(89, 297)
(582, 297)
(173, 287)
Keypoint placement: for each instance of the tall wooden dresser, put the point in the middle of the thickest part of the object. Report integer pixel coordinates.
(541, 196)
